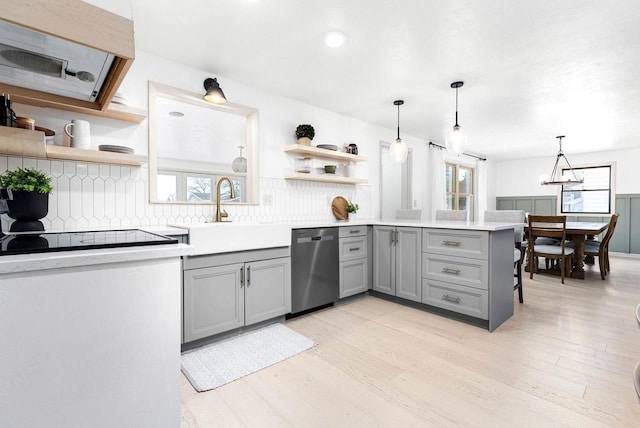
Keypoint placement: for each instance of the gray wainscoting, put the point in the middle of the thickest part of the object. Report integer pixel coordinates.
(626, 238)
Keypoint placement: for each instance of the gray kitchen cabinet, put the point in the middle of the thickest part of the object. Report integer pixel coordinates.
(469, 272)
(397, 263)
(213, 300)
(353, 256)
(228, 291)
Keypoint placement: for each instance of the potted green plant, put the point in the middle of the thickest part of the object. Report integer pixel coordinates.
(304, 134)
(352, 209)
(27, 193)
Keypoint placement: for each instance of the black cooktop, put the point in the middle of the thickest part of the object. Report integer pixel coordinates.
(24, 243)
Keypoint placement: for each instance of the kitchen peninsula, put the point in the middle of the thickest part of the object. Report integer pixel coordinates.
(88, 334)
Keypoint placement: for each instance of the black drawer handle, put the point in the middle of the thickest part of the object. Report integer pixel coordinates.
(451, 243)
(451, 271)
(354, 249)
(450, 298)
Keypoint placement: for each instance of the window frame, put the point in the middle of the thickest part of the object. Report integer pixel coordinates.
(456, 193)
(612, 190)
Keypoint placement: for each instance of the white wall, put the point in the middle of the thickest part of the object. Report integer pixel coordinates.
(522, 177)
(90, 195)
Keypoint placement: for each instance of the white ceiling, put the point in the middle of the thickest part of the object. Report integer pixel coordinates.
(532, 69)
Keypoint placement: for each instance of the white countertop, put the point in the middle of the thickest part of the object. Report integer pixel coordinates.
(63, 259)
(458, 225)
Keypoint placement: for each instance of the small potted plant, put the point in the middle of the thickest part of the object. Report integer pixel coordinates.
(304, 134)
(352, 209)
(27, 193)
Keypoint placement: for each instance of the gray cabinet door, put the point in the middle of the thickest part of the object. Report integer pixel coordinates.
(409, 263)
(267, 289)
(353, 277)
(384, 254)
(213, 301)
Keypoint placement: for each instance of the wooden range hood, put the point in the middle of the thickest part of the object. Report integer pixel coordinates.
(83, 24)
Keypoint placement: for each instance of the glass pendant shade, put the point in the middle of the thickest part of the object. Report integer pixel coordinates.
(399, 151)
(239, 164)
(457, 141)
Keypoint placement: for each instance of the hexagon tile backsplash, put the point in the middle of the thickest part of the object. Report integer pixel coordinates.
(98, 196)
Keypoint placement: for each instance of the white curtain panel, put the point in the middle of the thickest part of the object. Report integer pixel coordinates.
(436, 182)
(481, 192)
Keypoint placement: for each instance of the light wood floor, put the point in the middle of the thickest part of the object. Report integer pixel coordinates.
(564, 359)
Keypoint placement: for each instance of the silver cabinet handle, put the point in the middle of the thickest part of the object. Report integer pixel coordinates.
(355, 231)
(241, 277)
(451, 243)
(392, 238)
(248, 276)
(354, 249)
(451, 271)
(396, 235)
(450, 298)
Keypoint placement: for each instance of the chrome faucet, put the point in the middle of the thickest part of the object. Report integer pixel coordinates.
(220, 213)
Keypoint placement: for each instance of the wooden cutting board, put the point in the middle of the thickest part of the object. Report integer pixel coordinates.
(339, 208)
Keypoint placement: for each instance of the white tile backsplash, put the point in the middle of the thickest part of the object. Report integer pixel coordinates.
(87, 195)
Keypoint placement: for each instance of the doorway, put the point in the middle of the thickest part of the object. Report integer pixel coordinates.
(395, 183)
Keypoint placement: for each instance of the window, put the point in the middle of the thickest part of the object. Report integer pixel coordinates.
(594, 196)
(196, 187)
(459, 188)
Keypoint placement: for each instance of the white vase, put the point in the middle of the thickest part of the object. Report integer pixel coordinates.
(353, 217)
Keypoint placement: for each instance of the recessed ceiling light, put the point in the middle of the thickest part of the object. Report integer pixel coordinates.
(176, 113)
(334, 39)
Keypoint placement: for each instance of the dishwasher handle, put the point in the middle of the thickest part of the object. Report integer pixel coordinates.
(314, 239)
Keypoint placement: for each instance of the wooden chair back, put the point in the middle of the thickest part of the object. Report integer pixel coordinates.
(549, 226)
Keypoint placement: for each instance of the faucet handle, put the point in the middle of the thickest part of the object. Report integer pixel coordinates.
(223, 213)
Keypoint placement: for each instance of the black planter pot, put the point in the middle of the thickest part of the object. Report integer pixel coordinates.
(28, 205)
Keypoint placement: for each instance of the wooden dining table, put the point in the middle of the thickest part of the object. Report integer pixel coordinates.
(578, 232)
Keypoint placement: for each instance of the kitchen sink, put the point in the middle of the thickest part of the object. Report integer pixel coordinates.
(224, 237)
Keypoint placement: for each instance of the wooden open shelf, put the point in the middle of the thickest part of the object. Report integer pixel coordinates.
(31, 144)
(71, 153)
(325, 178)
(114, 111)
(312, 151)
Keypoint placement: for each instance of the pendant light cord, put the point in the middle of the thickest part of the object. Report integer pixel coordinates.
(398, 121)
(457, 107)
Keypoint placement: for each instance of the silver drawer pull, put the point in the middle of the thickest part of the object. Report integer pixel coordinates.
(354, 249)
(451, 243)
(355, 231)
(451, 299)
(451, 271)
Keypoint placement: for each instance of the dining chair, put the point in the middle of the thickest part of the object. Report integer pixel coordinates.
(516, 217)
(451, 215)
(408, 214)
(601, 248)
(549, 226)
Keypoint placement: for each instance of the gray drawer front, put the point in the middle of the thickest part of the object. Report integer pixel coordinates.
(353, 248)
(462, 271)
(345, 231)
(463, 243)
(456, 298)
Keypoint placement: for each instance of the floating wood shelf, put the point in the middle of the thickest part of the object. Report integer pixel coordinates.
(114, 111)
(325, 178)
(31, 144)
(71, 153)
(312, 151)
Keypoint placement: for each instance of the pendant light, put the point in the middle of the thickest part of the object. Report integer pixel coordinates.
(564, 179)
(214, 92)
(239, 164)
(457, 139)
(399, 149)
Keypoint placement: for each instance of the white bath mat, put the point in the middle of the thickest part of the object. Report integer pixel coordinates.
(214, 365)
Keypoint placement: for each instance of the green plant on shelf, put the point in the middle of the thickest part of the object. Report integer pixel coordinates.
(305, 130)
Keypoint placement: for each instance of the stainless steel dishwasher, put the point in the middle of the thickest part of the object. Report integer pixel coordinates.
(314, 268)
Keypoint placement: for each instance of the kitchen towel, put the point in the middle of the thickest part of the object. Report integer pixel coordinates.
(219, 363)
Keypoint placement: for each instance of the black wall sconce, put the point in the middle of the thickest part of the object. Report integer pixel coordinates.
(214, 93)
